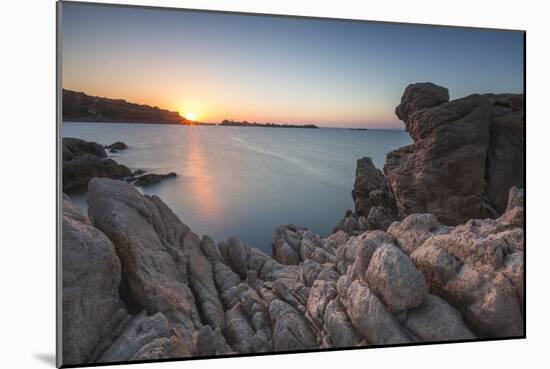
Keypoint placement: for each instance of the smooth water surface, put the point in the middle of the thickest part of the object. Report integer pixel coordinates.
(244, 181)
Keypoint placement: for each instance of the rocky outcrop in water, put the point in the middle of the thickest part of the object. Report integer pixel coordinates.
(467, 153)
(116, 147)
(151, 178)
(119, 145)
(83, 160)
(170, 293)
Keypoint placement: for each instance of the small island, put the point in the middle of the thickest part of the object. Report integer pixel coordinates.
(231, 123)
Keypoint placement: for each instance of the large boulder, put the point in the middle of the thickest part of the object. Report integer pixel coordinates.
(393, 278)
(412, 231)
(151, 243)
(91, 278)
(369, 315)
(466, 154)
(436, 320)
(417, 97)
(81, 169)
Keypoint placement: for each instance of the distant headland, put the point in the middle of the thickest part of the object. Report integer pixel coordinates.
(78, 106)
(231, 123)
(81, 107)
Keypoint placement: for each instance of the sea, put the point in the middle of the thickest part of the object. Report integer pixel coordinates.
(244, 181)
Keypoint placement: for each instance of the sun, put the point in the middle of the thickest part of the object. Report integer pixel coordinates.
(191, 116)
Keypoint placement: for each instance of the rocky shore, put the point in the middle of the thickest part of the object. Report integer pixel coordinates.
(84, 160)
(418, 260)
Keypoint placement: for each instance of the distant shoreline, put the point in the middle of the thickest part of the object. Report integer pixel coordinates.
(219, 125)
(230, 123)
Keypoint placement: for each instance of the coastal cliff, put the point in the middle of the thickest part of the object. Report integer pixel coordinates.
(78, 106)
(467, 154)
(139, 284)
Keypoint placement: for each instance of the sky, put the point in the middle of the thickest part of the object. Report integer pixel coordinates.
(333, 73)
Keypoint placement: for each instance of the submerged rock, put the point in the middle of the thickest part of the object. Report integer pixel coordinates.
(119, 145)
(151, 178)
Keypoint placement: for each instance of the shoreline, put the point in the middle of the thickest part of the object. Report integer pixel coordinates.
(217, 125)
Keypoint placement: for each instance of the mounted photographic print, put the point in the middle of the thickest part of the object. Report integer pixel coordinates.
(243, 184)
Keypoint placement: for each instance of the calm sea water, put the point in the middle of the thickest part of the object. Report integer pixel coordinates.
(244, 181)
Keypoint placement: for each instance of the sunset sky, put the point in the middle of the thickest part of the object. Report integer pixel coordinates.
(272, 69)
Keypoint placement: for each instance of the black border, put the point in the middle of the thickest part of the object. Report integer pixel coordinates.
(58, 196)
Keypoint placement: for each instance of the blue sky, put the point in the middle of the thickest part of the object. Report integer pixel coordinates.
(277, 69)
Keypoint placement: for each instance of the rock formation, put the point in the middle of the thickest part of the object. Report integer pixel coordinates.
(467, 153)
(83, 160)
(169, 293)
(375, 206)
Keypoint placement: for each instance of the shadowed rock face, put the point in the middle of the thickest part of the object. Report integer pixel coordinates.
(97, 326)
(375, 206)
(181, 295)
(83, 160)
(466, 155)
(91, 277)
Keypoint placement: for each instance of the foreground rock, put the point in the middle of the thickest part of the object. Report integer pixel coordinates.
(84, 160)
(181, 295)
(467, 153)
(91, 277)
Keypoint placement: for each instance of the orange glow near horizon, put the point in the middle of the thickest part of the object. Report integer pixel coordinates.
(212, 106)
(276, 69)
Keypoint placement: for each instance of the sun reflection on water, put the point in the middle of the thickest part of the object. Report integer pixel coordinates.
(201, 184)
